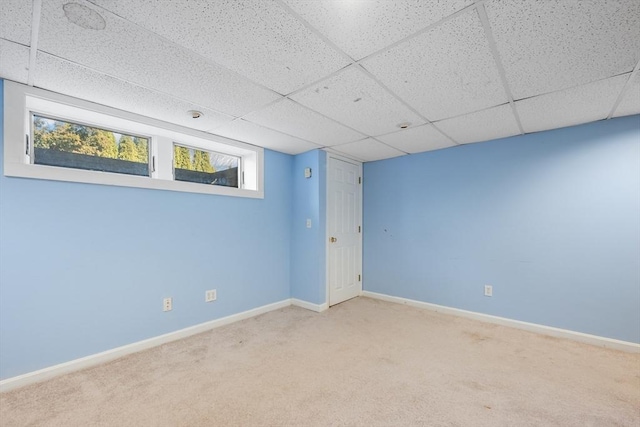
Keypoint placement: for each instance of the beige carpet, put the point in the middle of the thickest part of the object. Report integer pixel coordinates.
(361, 363)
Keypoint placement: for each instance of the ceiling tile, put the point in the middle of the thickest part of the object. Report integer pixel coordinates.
(570, 107)
(133, 54)
(630, 103)
(292, 118)
(492, 123)
(71, 79)
(363, 27)
(351, 97)
(368, 150)
(14, 61)
(550, 45)
(242, 130)
(257, 39)
(417, 139)
(15, 21)
(445, 72)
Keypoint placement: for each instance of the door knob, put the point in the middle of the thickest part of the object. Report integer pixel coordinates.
(333, 240)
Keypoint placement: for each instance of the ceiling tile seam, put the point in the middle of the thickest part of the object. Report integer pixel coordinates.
(304, 106)
(159, 92)
(382, 85)
(264, 107)
(369, 137)
(265, 127)
(14, 42)
(329, 118)
(401, 130)
(289, 95)
(327, 77)
(186, 49)
(419, 126)
(493, 46)
(421, 31)
(445, 134)
(347, 143)
(35, 34)
(574, 86)
(314, 30)
(470, 112)
(389, 145)
(392, 93)
(624, 90)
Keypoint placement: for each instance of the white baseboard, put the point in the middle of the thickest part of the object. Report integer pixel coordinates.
(106, 356)
(531, 327)
(309, 306)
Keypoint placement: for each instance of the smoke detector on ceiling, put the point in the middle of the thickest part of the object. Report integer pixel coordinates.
(84, 17)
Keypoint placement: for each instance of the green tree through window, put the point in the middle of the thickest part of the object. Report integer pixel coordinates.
(59, 143)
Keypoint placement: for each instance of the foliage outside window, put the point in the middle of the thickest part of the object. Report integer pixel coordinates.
(205, 167)
(72, 145)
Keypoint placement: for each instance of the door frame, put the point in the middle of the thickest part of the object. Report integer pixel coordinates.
(330, 156)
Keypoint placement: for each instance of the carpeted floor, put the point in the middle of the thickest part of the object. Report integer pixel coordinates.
(361, 363)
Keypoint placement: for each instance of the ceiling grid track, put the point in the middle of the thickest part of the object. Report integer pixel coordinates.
(159, 92)
(314, 30)
(398, 98)
(482, 13)
(422, 31)
(265, 127)
(541, 44)
(35, 34)
(181, 47)
(367, 72)
(624, 89)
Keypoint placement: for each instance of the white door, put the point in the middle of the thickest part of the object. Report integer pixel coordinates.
(344, 214)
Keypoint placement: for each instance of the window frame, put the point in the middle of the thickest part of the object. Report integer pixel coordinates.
(21, 101)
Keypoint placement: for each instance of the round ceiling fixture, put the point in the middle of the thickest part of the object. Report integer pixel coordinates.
(84, 17)
(195, 114)
(404, 125)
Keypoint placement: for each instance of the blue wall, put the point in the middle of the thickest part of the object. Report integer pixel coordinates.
(551, 220)
(84, 268)
(308, 255)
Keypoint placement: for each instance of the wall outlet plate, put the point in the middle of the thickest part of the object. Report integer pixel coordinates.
(210, 295)
(488, 290)
(167, 304)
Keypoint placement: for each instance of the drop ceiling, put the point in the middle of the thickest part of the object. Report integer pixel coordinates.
(296, 75)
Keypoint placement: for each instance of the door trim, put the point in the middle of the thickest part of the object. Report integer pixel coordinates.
(330, 156)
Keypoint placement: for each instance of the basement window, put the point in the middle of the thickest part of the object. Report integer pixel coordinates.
(205, 167)
(73, 145)
(56, 137)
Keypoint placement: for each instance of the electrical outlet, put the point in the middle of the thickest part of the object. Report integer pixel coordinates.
(488, 290)
(167, 304)
(210, 295)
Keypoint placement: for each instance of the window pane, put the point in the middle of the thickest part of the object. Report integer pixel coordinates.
(204, 167)
(71, 145)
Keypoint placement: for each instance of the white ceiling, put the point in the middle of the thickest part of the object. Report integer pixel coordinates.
(294, 75)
